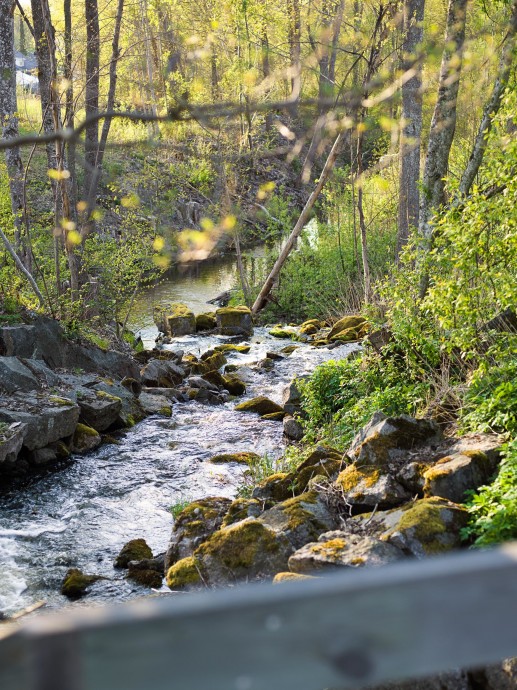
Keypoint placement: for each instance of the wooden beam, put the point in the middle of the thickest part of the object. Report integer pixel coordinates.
(347, 630)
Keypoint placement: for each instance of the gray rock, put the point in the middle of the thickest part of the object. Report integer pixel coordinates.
(234, 321)
(368, 486)
(293, 429)
(11, 441)
(44, 374)
(162, 374)
(99, 410)
(382, 439)
(300, 519)
(85, 439)
(156, 404)
(338, 549)
(42, 456)
(292, 398)
(131, 411)
(455, 474)
(48, 418)
(18, 341)
(15, 376)
(199, 382)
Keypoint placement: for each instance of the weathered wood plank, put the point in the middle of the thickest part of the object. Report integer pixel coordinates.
(345, 630)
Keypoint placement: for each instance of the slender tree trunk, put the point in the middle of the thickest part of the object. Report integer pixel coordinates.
(294, 29)
(91, 101)
(411, 131)
(70, 107)
(493, 104)
(266, 67)
(8, 119)
(261, 300)
(443, 126)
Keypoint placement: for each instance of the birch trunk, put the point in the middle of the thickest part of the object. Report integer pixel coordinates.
(493, 104)
(91, 134)
(411, 133)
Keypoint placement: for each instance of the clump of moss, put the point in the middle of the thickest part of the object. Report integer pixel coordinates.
(62, 402)
(239, 546)
(75, 583)
(134, 550)
(244, 458)
(184, 573)
(228, 347)
(352, 476)
(241, 509)
(261, 405)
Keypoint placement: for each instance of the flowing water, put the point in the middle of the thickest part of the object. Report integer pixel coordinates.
(81, 514)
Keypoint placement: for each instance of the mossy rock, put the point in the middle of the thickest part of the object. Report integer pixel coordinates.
(85, 439)
(134, 550)
(283, 333)
(353, 321)
(420, 528)
(175, 319)
(247, 550)
(195, 523)
(341, 549)
(75, 583)
(327, 467)
(452, 476)
(261, 405)
(244, 458)
(228, 347)
(275, 488)
(186, 573)
(215, 377)
(289, 349)
(290, 577)
(300, 519)
(234, 321)
(145, 578)
(205, 322)
(234, 385)
(368, 486)
(274, 416)
(311, 326)
(214, 360)
(241, 509)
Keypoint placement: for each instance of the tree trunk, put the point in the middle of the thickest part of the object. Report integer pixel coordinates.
(91, 99)
(294, 29)
(261, 300)
(492, 106)
(411, 131)
(70, 107)
(443, 126)
(8, 119)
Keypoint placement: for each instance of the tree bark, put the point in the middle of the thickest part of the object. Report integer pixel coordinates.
(8, 119)
(294, 30)
(443, 125)
(91, 102)
(411, 131)
(70, 108)
(492, 106)
(261, 300)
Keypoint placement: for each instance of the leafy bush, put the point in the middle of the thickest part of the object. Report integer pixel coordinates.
(340, 397)
(493, 508)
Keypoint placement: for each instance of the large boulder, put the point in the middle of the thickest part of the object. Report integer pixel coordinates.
(76, 584)
(275, 488)
(300, 519)
(234, 321)
(194, 525)
(367, 486)
(323, 463)
(206, 322)
(156, 403)
(133, 550)
(162, 373)
(85, 439)
(348, 328)
(247, 550)
(384, 439)
(420, 528)
(48, 418)
(15, 376)
(99, 410)
(174, 320)
(452, 476)
(131, 410)
(338, 549)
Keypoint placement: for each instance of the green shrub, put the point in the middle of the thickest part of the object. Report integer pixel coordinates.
(493, 508)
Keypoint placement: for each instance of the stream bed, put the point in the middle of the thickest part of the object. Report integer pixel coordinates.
(82, 513)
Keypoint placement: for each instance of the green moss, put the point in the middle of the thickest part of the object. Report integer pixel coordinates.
(352, 476)
(238, 546)
(345, 323)
(62, 402)
(206, 322)
(184, 573)
(283, 333)
(289, 349)
(244, 349)
(165, 411)
(76, 583)
(296, 511)
(83, 430)
(134, 550)
(243, 457)
(329, 549)
(274, 416)
(130, 421)
(424, 519)
(228, 311)
(277, 487)
(261, 405)
(234, 385)
(241, 509)
(146, 578)
(326, 467)
(290, 577)
(102, 395)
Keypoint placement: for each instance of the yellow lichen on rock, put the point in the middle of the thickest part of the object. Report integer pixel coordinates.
(290, 577)
(184, 573)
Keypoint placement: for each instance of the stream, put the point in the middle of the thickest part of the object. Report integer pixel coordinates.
(82, 513)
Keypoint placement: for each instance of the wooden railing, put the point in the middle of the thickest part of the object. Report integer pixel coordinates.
(346, 630)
